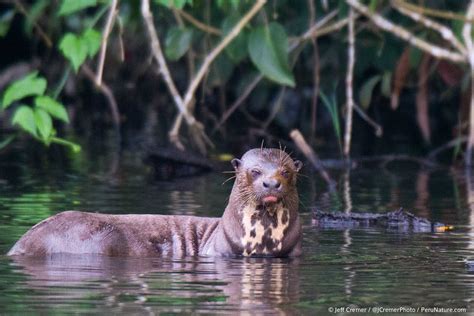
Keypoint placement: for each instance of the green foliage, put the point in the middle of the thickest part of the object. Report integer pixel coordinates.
(77, 48)
(54, 108)
(177, 4)
(25, 118)
(178, 41)
(28, 86)
(365, 95)
(237, 49)
(5, 20)
(331, 106)
(36, 11)
(71, 6)
(268, 49)
(36, 121)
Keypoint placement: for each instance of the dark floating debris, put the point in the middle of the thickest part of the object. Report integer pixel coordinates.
(397, 220)
(169, 163)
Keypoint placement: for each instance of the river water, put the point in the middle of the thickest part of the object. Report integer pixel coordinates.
(341, 270)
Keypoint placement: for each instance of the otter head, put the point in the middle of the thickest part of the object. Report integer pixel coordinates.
(266, 177)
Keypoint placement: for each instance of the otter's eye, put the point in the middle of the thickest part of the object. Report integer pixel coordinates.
(255, 173)
(285, 174)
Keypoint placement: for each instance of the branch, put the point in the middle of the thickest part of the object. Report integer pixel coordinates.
(349, 78)
(432, 12)
(158, 55)
(403, 33)
(198, 24)
(467, 36)
(105, 36)
(107, 92)
(38, 28)
(216, 51)
(444, 31)
(368, 120)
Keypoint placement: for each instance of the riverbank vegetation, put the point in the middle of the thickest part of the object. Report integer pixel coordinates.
(360, 77)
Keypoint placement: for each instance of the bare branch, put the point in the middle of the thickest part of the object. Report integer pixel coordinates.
(467, 36)
(349, 78)
(198, 24)
(403, 33)
(105, 36)
(444, 31)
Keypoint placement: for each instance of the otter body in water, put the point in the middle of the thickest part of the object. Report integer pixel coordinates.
(261, 219)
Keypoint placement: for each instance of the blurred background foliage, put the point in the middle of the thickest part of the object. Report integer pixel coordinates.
(269, 80)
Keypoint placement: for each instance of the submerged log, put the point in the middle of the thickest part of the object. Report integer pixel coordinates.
(396, 221)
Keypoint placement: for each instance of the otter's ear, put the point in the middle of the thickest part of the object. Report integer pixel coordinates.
(236, 163)
(298, 165)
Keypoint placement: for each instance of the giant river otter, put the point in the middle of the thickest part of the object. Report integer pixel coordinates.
(261, 219)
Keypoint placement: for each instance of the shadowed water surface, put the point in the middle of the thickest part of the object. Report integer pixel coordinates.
(365, 268)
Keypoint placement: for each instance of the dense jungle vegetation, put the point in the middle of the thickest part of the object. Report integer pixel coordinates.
(382, 76)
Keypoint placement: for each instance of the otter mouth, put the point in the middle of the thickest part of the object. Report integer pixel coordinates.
(270, 199)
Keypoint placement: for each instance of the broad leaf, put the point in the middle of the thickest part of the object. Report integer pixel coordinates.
(34, 13)
(365, 95)
(53, 107)
(268, 48)
(178, 41)
(70, 6)
(44, 123)
(386, 87)
(5, 21)
(27, 86)
(177, 4)
(237, 49)
(75, 49)
(25, 118)
(92, 40)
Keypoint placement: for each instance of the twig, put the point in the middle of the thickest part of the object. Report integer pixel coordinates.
(107, 92)
(198, 24)
(105, 36)
(217, 50)
(314, 32)
(444, 31)
(433, 12)
(349, 78)
(365, 117)
(163, 67)
(384, 24)
(452, 143)
(309, 153)
(238, 102)
(314, 96)
(467, 36)
(38, 28)
(276, 108)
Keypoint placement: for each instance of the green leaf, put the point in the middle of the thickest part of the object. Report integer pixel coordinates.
(365, 95)
(34, 13)
(177, 4)
(268, 49)
(74, 49)
(53, 107)
(70, 6)
(178, 41)
(386, 88)
(75, 147)
(237, 49)
(44, 124)
(25, 118)
(220, 72)
(415, 57)
(4, 143)
(92, 40)
(226, 4)
(27, 86)
(5, 21)
(331, 106)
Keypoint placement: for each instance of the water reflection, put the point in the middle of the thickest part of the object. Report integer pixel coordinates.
(140, 284)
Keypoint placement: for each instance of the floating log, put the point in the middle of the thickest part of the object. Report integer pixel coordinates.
(399, 220)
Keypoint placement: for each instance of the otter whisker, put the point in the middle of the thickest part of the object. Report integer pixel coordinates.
(227, 180)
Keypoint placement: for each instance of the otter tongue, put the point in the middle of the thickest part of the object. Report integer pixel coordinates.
(270, 199)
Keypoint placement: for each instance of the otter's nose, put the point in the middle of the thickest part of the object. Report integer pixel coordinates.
(271, 184)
